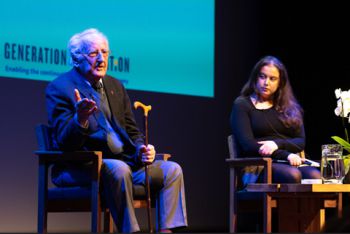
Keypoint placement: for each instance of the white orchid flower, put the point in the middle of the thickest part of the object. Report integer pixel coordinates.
(343, 103)
(346, 107)
(337, 93)
(338, 111)
(345, 95)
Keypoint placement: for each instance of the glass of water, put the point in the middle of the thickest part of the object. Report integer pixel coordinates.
(332, 164)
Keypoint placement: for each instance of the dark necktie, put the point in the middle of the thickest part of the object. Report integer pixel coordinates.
(113, 139)
(104, 106)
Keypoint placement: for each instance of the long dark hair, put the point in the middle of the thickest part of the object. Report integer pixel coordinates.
(284, 101)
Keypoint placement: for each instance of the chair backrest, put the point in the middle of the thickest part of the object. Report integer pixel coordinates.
(237, 175)
(43, 135)
(232, 146)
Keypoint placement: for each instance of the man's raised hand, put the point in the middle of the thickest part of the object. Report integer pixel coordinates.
(84, 108)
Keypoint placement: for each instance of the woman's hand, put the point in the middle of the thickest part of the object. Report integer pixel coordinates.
(294, 160)
(267, 148)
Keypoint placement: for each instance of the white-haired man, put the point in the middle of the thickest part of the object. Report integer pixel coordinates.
(89, 110)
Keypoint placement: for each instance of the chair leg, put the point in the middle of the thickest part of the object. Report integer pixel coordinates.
(108, 226)
(340, 205)
(233, 202)
(42, 219)
(42, 198)
(95, 211)
(267, 213)
(157, 228)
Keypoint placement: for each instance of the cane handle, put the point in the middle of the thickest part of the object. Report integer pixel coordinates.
(145, 108)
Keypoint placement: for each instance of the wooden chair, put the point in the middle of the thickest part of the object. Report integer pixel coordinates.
(248, 201)
(252, 201)
(77, 199)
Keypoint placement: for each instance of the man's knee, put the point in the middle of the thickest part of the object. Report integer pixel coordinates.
(174, 171)
(116, 169)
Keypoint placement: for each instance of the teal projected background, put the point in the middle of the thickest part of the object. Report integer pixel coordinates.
(161, 46)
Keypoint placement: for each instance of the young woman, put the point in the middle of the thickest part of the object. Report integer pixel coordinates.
(267, 120)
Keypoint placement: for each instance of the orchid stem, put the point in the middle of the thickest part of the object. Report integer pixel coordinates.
(346, 135)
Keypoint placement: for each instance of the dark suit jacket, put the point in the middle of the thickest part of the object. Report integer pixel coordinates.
(69, 136)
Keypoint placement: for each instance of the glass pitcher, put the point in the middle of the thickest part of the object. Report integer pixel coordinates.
(332, 164)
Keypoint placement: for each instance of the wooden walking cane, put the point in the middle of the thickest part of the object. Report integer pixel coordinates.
(146, 109)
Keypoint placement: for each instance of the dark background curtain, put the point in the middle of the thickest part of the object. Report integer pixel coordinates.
(310, 37)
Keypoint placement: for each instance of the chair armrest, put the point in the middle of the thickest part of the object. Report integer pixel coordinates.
(46, 158)
(301, 154)
(242, 162)
(162, 156)
(61, 156)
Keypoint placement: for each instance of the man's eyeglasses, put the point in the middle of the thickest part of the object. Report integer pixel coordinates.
(94, 54)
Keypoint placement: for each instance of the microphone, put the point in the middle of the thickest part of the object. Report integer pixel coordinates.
(306, 162)
(311, 163)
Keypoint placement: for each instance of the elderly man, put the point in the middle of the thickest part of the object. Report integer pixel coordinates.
(89, 110)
